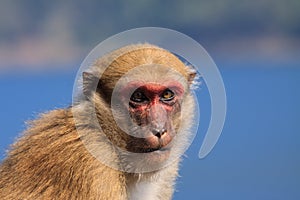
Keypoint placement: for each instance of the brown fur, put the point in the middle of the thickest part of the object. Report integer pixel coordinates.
(50, 160)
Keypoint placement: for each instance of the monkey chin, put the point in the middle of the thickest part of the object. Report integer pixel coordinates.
(153, 161)
(159, 156)
(161, 151)
(147, 154)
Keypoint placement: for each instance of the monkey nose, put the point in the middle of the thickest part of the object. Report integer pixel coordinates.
(159, 132)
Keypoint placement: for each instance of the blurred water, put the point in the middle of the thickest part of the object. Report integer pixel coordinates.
(257, 156)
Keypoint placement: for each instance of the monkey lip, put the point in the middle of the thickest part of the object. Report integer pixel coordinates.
(152, 147)
(149, 150)
(150, 144)
(158, 145)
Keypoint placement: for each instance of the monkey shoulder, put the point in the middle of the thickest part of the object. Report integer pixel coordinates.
(45, 161)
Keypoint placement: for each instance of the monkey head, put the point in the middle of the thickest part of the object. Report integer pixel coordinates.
(142, 102)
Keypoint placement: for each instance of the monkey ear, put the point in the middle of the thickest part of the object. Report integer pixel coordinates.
(191, 77)
(90, 82)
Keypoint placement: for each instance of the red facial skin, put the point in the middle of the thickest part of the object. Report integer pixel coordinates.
(154, 112)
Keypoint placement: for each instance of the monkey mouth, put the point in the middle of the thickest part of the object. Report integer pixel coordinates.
(149, 144)
(159, 149)
(149, 150)
(158, 145)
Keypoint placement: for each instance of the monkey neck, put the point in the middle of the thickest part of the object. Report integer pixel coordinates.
(152, 185)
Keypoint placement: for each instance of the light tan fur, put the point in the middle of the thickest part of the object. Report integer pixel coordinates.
(51, 161)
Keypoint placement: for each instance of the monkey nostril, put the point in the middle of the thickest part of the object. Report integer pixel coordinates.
(159, 132)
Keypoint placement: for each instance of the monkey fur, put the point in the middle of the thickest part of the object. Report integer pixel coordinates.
(51, 161)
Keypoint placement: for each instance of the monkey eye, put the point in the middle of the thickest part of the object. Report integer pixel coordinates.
(138, 97)
(167, 95)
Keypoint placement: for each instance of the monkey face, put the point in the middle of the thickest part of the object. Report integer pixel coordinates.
(147, 106)
(153, 108)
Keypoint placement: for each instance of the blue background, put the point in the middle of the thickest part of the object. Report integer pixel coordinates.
(257, 156)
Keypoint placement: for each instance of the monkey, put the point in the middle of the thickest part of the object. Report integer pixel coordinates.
(122, 139)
